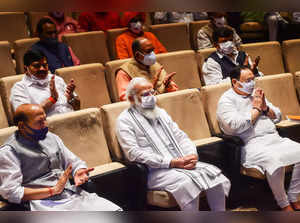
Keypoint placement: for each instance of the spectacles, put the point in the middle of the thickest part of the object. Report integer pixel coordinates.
(147, 93)
(38, 65)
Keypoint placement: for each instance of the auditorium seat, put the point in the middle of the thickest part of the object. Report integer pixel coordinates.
(271, 61)
(173, 36)
(7, 66)
(90, 83)
(291, 49)
(196, 127)
(112, 35)
(13, 26)
(20, 47)
(6, 83)
(89, 47)
(194, 27)
(111, 68)
(184, 63)
(202, 55)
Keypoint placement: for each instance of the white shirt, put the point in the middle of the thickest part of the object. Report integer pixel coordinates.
(30, 91)
(212, 72)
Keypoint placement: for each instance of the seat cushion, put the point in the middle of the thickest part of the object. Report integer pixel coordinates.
(161, 199)
(252, 172)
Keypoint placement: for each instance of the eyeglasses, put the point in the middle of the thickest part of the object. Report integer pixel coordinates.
(38, 65)
(147, 93)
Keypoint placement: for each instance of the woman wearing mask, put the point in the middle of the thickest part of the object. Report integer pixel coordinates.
(134, 21)
(217, 20)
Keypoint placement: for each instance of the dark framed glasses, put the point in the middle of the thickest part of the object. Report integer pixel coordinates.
(39, 65)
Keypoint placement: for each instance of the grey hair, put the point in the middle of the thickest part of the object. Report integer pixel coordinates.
(131, 91)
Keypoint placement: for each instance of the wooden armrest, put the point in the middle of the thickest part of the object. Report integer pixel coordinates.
(207, 141)
(107, 168)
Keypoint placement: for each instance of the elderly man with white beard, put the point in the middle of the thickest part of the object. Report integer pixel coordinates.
(148, 135)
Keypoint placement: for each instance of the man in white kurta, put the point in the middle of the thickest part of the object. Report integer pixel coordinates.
(148, 135)
(39, 87)
(36, 165)
(243, 111)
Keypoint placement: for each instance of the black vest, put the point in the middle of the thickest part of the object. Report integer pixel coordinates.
(227, 65)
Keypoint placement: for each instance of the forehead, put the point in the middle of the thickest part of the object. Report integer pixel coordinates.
(41, 61)
(224, 39)
(49, 27)
(246, 74)
(143, 86)
(146, 44)
(35, 111)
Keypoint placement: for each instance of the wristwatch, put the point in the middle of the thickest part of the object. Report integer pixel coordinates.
(71, 100)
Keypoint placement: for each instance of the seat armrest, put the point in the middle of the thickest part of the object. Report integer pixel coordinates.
(231, 139)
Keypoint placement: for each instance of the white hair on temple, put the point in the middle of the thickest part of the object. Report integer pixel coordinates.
(130, 91)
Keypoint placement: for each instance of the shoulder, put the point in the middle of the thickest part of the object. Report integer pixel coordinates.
(124, 120)
(63, 46)
(227, 96)
(123, 36)
(20, 85)
(149, 35)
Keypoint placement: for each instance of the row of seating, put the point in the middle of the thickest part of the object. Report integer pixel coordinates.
(96, 82)
(90, 133)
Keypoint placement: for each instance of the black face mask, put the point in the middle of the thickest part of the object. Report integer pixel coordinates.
(38, 134)
(51, 42)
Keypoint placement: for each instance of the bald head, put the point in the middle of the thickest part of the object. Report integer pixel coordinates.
(27, 112)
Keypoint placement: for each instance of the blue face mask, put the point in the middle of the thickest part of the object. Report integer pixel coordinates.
(38, 134)
(149, 59)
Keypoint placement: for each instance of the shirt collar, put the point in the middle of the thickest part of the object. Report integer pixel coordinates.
(30, 82)
(235, 52)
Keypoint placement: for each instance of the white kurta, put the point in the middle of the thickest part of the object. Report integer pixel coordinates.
(28, 91)
(264, 149)
(137, 148)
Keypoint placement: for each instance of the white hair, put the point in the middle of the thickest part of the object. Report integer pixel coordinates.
(131, 91)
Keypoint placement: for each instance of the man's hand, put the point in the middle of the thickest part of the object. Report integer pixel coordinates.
(254, 65)
(60, 185)
(190, 161)
(70, 89)
(177, 163)
(81, 176)
(168, 79)
(53, 90)
(258, 99)
(156, 77)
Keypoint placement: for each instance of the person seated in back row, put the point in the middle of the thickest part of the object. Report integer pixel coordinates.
(39, 87)
(144, 64)
(134, 21)
(218, 65)
(58, 54)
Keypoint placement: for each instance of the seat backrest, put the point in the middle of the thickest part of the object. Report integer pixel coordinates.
(173, 36)
(186, 109)
(271, 61)
(5, 133)
(3, 117)
(112, 35)
(194, 28)
(201, 57)
(6, 83)
(111, 68)
(280, 91)
(291, 49)
(109, 114)
(13, 26)
(20, 47)
(210, 97)
(7, 66)
(82, 133)
(90, 84)
(89, 47)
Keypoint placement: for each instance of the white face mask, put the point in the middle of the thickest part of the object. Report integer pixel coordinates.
(149, 59)
(40, 82)
(220, 22)
(148, 102)
(227, 47)
(247, 87)
(136, 27)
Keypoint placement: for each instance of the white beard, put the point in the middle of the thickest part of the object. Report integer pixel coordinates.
(149, 113)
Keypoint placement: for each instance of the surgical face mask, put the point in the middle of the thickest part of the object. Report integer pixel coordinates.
(247, 87)
(149, 59)
(41, 82)
(220, 22)
(136, 27)
(227, 47)
(37, 134)
(148, 102)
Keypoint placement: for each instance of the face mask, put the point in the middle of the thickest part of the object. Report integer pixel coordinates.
(38, 134)
(227, 47)
(148, 102)
(247, 87)
(51, 42)
(220, 22)
(136, 27)
(149, 59)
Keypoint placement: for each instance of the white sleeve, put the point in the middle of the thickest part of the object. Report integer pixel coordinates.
(212, 72)
(19, 96)
(70, 158)
(230, 119)
(185, 143)
(134, 153)
(11, 176)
